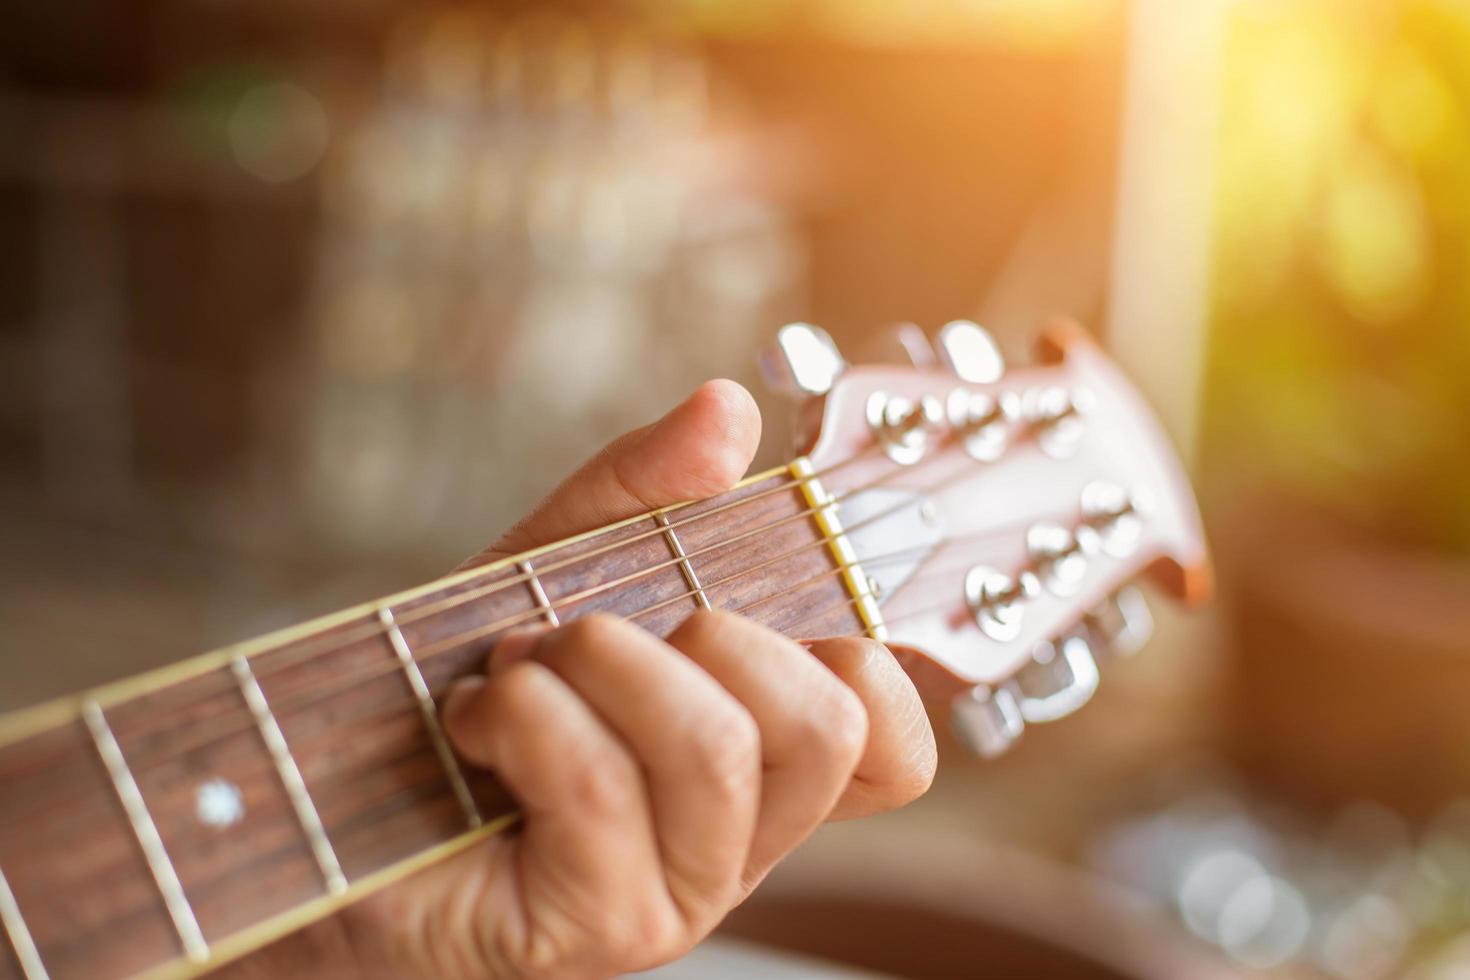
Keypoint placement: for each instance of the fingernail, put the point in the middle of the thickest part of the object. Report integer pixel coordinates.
(516, 645)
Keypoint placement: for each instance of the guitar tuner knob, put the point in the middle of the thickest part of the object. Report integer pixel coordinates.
(1122, 624)
(1060, 678)
(971, 352)
(982, 421)
(1059, 557)
(997, 601)
(804, 362)
(987, 720)
(902, 426)
(1057, 416)
(1112, 518)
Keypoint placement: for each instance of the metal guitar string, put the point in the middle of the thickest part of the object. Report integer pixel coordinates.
(307, 698)
(315, 697)
(416, 613)
(887, 557)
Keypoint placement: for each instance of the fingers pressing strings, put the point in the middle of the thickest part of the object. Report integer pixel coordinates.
(215, 729)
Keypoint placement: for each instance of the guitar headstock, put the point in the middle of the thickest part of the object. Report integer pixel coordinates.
(998, 517)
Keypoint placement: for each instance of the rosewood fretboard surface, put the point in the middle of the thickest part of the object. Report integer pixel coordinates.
(232, 827)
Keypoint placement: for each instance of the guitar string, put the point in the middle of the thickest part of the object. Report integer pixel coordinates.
(459, 640)
(317, 697)
(162, 799)
(406, 614)
(569, 601)
(328, 643)
(563, 604)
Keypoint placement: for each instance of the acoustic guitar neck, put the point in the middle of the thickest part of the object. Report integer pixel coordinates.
(170, 822)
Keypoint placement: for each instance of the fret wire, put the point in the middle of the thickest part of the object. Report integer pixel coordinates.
(430, 714)
(26, 952)
(290, 773)
(538, 592)
(677, 547)
(146, 832)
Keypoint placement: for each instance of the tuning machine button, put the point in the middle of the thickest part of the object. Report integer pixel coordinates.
(971, 352)
(1122, 624)
(1059, 678)
(997, 601)
(987, 720)
(804, 362)
(902, 426)
(1112, 518)
(1058, 556)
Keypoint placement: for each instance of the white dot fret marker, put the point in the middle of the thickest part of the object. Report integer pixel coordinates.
(219, 803)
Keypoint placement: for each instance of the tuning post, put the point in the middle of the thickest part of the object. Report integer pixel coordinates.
(1122, 623)
(1112, 518)
(1058, 679)
(971, 352)
(805, 361)
(1058, 556)
(987, 720)
(997, 601)
(982, 421)
(903, 426)
(1056, 415)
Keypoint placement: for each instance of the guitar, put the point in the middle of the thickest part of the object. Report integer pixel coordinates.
(986, 524)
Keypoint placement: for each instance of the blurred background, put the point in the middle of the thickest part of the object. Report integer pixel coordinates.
(301, 302)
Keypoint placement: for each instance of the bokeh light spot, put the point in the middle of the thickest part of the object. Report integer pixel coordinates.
(278, 132)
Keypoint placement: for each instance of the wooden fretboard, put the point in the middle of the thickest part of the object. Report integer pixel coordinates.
(169, 823)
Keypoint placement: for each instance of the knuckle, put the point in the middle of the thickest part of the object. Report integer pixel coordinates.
(728, 751)
(603, 783)
(645, 937)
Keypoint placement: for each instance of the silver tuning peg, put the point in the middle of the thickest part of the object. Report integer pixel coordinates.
(987, 720)
(902, 426)
(1060, 678)
(1122, 624)
(971, 352)
(804, 361)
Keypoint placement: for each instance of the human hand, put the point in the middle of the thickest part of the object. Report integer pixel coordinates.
(659, 780)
